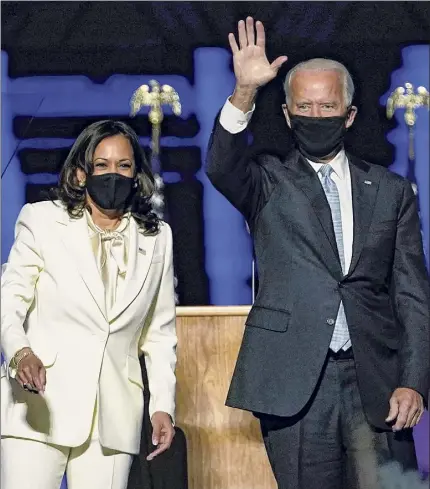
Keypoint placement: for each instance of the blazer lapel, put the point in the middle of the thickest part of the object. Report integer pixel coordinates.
(75, 237)
(365, 184)
(141, 249)
(306, 178)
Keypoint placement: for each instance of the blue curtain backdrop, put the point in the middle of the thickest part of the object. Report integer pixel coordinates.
(228, 255)
(415, 69)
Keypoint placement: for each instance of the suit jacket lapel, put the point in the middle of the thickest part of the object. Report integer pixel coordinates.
(306, 178)
(365, 184)
(75, 237)
(141, 249)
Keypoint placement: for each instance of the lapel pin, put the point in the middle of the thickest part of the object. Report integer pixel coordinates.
(367, 182)
(141, 250)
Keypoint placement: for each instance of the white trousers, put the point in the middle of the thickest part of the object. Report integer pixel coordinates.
(28, 464)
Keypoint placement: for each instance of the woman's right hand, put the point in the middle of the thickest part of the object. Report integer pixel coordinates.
(31, 374)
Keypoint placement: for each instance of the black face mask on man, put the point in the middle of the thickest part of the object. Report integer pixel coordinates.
(318, 137)
(110, 191)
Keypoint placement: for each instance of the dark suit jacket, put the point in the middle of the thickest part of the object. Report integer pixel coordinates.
(385, 292)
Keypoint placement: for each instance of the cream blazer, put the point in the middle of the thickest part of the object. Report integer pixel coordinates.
(52, 299)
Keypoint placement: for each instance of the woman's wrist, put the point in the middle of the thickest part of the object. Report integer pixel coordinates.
(19, 356)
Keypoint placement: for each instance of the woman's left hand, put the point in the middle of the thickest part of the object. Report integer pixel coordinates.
(162, 433)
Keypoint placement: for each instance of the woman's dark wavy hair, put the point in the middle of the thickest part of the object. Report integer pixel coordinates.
(81, 157)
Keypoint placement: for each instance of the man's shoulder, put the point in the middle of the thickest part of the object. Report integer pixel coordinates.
(384, 173)
(273, 166)
(273, 159)
(268, 157)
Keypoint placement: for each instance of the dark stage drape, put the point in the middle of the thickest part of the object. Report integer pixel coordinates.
(99, 39)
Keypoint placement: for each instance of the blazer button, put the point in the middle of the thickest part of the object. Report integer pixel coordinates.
(330, 321)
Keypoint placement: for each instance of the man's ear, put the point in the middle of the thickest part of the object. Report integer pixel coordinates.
(286, 114)
(351, 116)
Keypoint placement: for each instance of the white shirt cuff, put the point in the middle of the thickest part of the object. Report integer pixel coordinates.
(233, 119)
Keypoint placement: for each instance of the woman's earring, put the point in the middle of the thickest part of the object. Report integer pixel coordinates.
(82, 183)
(135, 184)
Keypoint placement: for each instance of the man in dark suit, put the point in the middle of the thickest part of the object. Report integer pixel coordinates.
(335, 355)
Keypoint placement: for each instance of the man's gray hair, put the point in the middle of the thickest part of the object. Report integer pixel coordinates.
(322, 64)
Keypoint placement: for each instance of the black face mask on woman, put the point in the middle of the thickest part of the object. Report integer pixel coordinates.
(110, 191)
(318, 137)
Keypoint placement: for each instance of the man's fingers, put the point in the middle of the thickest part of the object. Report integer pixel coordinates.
(250, 31)
(406, 408)
(243, 41)
(413, 412)
(417, 412)
(233, 44)
(420, 415)
(402, 417)
(394, 410)
(278, 62)
(261, 36)
(416, 418)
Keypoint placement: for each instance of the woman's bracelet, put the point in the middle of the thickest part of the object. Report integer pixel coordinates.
(19, 356)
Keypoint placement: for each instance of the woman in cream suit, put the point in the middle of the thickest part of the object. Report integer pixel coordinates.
(88, 287)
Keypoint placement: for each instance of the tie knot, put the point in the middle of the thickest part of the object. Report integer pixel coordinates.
(326, 170)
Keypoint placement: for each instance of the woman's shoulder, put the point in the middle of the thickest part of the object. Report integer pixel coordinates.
(162, 236)
(44, 210)
(165, 227)
(165, 231)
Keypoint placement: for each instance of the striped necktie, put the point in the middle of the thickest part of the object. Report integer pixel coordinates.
(340, 338)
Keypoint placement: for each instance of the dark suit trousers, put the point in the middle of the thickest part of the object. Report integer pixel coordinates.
(330, 444)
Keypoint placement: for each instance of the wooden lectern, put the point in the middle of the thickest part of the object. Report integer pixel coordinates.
(224, 446)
